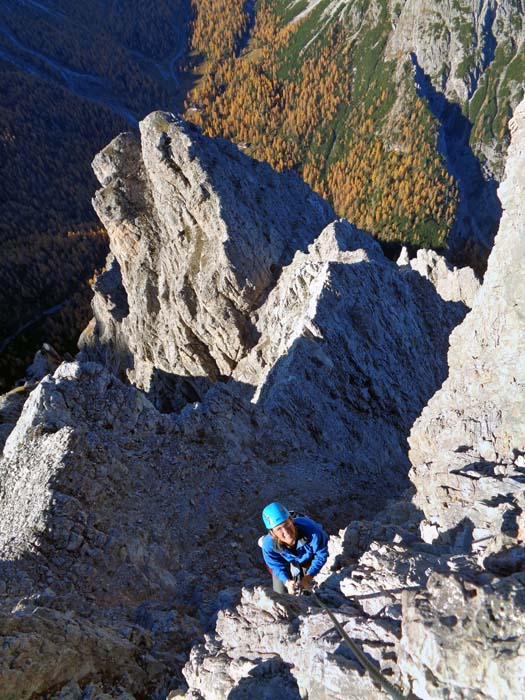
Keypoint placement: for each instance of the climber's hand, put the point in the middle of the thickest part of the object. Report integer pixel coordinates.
(292, 587)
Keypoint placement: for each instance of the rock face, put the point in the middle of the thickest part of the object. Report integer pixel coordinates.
(110, 531)
(321, 369)
(442, 36)
(253, 642)
(129, 560)
(222, 270)
(294, 652)
(45, 361)
(463, 637)
(199, 232)
(451, 283)
(467, 448)
(451, 608)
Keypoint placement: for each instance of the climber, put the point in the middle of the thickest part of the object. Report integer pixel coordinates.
(294, 550)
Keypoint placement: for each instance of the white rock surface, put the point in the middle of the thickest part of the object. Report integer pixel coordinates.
(451, 283)
(199, 231)
(46, 361)
(292, 652)
(463, 639)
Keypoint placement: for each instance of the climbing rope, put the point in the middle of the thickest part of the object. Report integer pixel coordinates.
(374, 672)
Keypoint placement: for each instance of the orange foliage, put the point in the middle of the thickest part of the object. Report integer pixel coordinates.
(218, 27)
(386, 180)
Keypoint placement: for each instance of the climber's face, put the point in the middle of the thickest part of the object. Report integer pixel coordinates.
(285, 532)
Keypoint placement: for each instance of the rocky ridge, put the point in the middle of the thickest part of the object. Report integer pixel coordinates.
(198, 232)
(117, 516)
(299, 326)
(441, 35)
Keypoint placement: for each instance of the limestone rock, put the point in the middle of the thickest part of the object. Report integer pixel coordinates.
(463, 639)
(443, 35)
(45, 648)
(365, 597)
(336, 362)
(451, 283)
(100, 517)
(109, 505)
(46, 361)
(462, 632)
(199, 231)
(253, 285)
(285, 647)
(457, 601)
(383, 573)
(466, 444)
(129, 535)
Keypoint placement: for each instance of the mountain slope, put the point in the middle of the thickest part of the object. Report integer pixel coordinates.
(371, 102)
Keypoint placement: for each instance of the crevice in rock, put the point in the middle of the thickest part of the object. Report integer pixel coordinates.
(489, 43)
(165, 149)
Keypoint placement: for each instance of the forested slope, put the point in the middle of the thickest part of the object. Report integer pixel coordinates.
(72, 76)
(340, 92)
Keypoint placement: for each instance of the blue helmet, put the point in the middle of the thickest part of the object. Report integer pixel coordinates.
(274, 514)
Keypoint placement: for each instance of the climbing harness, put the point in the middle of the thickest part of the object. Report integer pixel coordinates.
(374, 672)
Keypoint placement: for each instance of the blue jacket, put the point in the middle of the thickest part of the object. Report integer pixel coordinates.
(311, 545)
